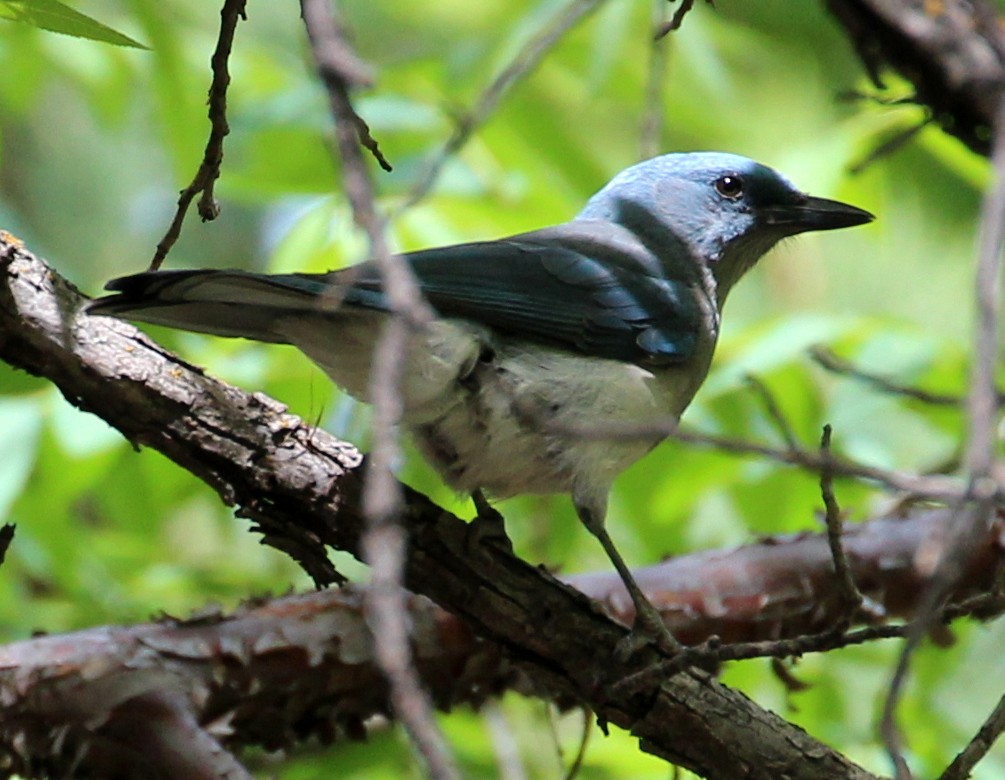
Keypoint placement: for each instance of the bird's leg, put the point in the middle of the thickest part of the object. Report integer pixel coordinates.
(485, 510)
(648, 626)
(488, 527)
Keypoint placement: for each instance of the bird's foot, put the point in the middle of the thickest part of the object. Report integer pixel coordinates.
(487, 527)
(705, 657)
(648, 628)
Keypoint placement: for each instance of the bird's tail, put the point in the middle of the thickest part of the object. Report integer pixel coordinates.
(222, 303)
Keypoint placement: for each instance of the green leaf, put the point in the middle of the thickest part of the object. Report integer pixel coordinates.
(56, 17)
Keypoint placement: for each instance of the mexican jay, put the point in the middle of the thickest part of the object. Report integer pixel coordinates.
(609, 319)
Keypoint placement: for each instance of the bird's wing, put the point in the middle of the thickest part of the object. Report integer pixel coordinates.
(580, 288)
(585, 295)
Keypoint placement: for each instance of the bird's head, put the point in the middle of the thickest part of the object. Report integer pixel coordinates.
(726, 210)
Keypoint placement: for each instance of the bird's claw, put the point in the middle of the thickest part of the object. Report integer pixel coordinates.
(648, 628)
(487, 527)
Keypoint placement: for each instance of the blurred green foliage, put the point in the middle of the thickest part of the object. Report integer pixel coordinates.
(96, 140)
(57, 17)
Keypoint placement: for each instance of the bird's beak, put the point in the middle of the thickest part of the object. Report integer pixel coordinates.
(811, 213)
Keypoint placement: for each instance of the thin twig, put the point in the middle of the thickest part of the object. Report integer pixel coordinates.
(212, 158)
(341, 70)
(524, 62)
(982, 406)
(935, 487)
(973, 511)
(782, 669)
(678, 18)
(811, 643)
(651, 141)
(504, 743)
(712, 652)
(889, 146)
(794, 647)
(850, 595)
(384, 542)
(837, 365)
(877, 98)
(6, 537)
(577, 762)
(888, 729)
(963, 764)
(774, 411)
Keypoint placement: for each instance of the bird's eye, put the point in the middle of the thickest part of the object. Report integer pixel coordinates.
(729, 186)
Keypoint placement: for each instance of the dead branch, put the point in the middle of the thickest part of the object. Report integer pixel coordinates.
(384, 542)
(209, 169)
(301, 488)
(953, 52)
(277, 672)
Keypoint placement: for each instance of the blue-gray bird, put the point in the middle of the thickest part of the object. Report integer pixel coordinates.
(608, 320)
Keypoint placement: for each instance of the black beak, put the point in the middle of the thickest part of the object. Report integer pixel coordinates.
(811, 213)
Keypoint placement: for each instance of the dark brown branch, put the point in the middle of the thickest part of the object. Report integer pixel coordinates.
(848, 590)
(272, 674)
(677, 20)
(301, 487)
(209, 170)
(953, 52)
(297, 666)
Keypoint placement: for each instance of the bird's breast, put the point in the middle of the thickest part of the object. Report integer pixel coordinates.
(532, 419)
(509, 416)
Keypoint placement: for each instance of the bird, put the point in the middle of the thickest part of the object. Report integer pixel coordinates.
(604, 322)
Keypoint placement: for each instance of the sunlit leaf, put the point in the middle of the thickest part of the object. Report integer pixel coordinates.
(55, 16)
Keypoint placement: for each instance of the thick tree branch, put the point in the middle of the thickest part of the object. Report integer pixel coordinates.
(279, 671)
(301, 487)
(953, 52)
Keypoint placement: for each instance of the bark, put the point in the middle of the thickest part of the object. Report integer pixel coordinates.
(952, 51)
(276, 672)
(301, 487)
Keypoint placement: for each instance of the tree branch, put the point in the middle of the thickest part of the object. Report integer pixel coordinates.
(276, 672)
(301, 488)
(523, 63)
(953, 52)
(209, 169)
(384, 542)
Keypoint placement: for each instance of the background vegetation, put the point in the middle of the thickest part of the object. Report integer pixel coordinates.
(95, 141)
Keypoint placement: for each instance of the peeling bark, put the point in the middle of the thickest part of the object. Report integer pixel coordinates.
(301, 488)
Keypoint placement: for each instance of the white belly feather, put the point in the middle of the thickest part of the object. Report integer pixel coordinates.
(500, 416)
